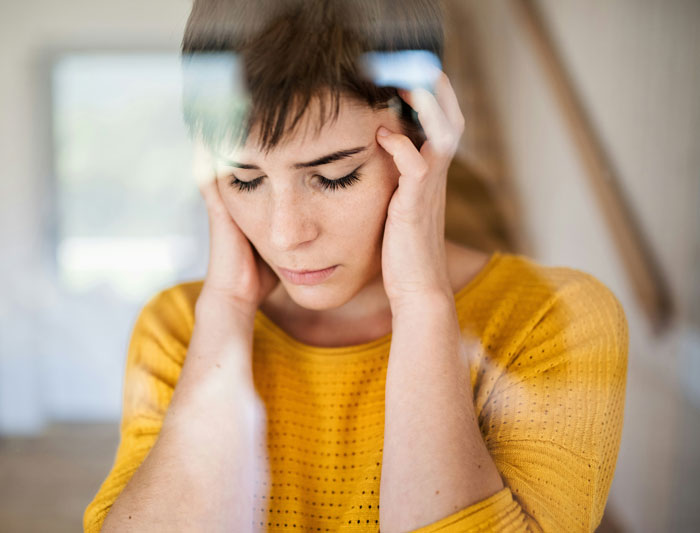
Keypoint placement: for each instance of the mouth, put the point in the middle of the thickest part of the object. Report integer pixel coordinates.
(307, 277)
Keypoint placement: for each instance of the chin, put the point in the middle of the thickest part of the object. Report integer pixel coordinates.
(317, 297)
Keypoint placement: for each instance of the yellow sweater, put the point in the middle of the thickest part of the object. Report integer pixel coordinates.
(548, 378)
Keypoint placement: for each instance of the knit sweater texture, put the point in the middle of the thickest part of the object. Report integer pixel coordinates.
(548, 373)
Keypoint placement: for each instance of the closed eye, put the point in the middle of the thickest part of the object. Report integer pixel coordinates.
(340, 183)
(245, 186)
(327, 184)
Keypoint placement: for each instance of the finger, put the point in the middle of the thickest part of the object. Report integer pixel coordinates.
(438, 130)
(407, 159)
(447, 99)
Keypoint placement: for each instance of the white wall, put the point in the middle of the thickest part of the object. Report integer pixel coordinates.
(637, 67)
(43, 370)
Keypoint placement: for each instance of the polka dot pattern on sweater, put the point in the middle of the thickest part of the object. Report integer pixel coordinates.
(547, 364)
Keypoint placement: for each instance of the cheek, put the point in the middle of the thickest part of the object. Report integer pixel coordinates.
(361, 218)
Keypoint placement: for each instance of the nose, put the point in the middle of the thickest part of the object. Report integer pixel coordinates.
(291, 222)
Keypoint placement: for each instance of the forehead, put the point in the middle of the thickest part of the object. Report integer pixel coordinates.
(354, 125)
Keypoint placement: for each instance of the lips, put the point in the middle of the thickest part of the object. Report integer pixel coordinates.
(305, 271)
(307, 277)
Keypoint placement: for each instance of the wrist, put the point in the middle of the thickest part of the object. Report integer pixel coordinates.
(216, 307)
(218, 361)
(421, 304)
(222, 329)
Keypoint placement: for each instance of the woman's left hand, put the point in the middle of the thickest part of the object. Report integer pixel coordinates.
(414, 262)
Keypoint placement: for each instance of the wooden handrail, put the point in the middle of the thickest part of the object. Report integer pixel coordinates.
(640, 262)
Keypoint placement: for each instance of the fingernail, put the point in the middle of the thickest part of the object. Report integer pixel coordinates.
(383, 132)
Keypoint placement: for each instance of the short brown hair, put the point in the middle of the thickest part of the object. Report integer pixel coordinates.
(292, 51)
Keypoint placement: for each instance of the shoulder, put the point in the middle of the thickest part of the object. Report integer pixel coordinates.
(562, 299)
(535, 286)
(527, 317)
(557, 317)
(569, 292)
(182, 296)
(522, 277)
(569, 307)
(165, 322)
(174, 303)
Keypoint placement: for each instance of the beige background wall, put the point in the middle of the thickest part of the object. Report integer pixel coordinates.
(637, 67)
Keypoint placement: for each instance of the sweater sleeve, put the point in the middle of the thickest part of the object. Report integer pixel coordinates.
(550, 409)
(155, 355)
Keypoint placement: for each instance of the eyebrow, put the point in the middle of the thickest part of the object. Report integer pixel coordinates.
(330, 158)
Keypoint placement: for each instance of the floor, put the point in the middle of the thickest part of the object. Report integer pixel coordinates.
(46, 482)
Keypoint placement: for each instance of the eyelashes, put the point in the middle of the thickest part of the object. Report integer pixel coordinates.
(326, 184)
(340, 183)
(244, 186)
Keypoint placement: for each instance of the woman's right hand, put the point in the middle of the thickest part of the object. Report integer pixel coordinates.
(236, 275)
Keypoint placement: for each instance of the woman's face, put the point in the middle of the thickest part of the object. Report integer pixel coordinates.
(297, 221)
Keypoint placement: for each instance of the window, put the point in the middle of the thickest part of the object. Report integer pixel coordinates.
(127, 208)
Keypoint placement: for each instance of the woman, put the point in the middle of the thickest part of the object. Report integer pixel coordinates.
(342, 366)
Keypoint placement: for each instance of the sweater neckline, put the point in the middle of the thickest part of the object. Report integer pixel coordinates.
(371, 347)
